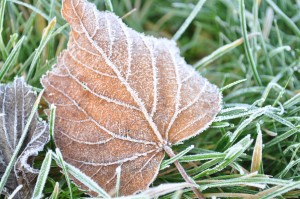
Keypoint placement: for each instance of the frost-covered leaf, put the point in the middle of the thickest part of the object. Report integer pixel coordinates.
(121, 97)
(16, 102)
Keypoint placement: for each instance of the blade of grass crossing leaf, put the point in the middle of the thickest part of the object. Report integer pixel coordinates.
(42, 178)
(87, 181)
(189, 20)
(246, 43)
(118, 183)
(11, 58)
(14, 193)
(48, 31)
(288, 21)
(52, 120)
(55, 192)
(257, 152)
(20, 143)
(2, 46)
(62, 163)
(166, 163)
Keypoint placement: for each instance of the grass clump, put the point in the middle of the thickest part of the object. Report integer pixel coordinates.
(250, 49)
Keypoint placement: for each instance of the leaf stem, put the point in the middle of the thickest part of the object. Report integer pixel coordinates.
(183, 173)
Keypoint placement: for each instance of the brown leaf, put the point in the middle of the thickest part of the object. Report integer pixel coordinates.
(16, 102)
(121, 97)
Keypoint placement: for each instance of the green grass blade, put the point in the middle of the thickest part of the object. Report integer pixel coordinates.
(52, 120)
(2, 46)
(177, 195)
(2, 9)
(42, 178)
(62, 163)
(166, 163)
(48, 31)
(232, 84)
(292, 102)
(247, 44)
(246, 122)
(232, 154)
(198, 157)
(221, 51)
(11, 58)
(283, 136)
(118, 183)
(288, 21)
(281, 190)
(87, 181)
(55, 192)
(256, 181)
(189, 20)
(38, 11)
(108, 5)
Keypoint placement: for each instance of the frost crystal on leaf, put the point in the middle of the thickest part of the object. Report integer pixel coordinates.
(16, 102)
(121, 97)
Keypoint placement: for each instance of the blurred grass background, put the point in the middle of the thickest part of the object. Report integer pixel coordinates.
(267, 109)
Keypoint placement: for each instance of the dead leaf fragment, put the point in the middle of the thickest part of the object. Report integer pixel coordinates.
(121, 97)
(16, 102)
